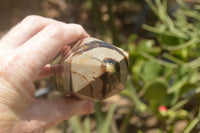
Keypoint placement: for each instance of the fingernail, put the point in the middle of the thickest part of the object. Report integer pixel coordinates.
(88, 107)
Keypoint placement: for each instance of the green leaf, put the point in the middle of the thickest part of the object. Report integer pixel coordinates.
(186, 87)
(170, 99)
(151, 70)
(172, 43)
(145, 45)
(87, 125)
(136, 69)
(170, 40)
(156, 90)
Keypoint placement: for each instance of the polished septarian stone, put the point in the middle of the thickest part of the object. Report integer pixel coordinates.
(94, 70)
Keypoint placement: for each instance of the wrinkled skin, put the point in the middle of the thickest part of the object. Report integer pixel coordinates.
(24, 52)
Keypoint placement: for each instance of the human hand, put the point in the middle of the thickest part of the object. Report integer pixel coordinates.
(24, 52)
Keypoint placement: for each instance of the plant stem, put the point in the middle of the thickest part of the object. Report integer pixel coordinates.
(125, 122)
(98, 17)
(115, 33)
(99, 116)
(193, 123)
(174, 59)
(161, 62)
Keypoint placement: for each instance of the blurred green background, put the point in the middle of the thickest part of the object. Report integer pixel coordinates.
(163, 41)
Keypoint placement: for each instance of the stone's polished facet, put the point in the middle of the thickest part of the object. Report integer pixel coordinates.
(94, 70)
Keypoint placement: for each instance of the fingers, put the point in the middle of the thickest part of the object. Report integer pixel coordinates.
(54, 69)
(49, 113)
(44, 46)
(26, 29)
(46, 71)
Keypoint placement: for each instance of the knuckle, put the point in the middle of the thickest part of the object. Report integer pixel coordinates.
(54, 30)
(31, 19)
(80, 27)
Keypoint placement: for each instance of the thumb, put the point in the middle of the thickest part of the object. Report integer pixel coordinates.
(46, 113)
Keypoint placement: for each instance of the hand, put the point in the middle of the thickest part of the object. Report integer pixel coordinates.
(24, 53)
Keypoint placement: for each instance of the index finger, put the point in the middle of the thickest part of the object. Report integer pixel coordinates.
(23, 31)
(44, 46)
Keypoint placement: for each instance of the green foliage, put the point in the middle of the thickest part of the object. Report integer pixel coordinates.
(164, 71)
(155, 90)
(168, 72)
(103, 122)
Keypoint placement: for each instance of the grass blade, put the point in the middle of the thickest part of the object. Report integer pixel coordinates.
(108, 120)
